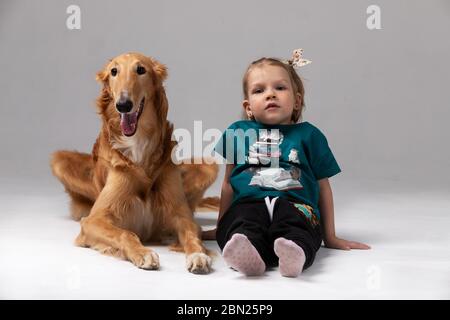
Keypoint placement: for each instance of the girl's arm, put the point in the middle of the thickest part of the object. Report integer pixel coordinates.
(327, 220)
(226, 196)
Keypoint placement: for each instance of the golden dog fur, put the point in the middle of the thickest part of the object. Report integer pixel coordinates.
(128, 190)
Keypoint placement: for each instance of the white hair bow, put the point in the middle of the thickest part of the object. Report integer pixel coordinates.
(297, 60)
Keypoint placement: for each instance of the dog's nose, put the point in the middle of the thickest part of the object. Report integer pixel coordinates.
(124, 105)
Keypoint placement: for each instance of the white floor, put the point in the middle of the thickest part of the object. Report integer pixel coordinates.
(408, 232)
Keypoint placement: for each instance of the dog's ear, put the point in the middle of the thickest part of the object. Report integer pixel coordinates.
(105, 96)
(162, 105)
(159, 69)
(103, 75)
(159, 75)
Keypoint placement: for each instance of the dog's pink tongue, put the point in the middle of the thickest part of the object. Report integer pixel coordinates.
(128, 123)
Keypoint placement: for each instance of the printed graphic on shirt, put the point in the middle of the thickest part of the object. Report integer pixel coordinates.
(265, 151)
(293, 156)
(267, 148)
(307, 212)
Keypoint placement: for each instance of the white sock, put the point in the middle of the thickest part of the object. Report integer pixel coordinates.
(241, 255)
(291, 257)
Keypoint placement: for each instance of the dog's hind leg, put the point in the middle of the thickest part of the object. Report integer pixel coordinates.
(79, 206)
(75, 171)
(196, 179)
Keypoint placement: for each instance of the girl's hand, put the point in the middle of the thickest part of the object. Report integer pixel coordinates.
(336, 243)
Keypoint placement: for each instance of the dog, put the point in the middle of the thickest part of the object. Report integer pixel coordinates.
(128, 191)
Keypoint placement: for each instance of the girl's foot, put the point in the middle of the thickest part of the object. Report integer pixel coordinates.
(241, 255)
(291, 257)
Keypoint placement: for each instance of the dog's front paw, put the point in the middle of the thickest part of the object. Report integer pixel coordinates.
(198, 263)
(148, 260)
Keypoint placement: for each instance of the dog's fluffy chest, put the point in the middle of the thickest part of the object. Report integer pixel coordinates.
(135, 148)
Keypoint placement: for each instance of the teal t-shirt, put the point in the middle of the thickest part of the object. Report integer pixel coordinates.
(277, 160)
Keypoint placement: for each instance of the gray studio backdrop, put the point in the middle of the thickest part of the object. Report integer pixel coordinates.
(380, 96)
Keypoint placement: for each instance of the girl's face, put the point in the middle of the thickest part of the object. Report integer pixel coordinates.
(271, 98)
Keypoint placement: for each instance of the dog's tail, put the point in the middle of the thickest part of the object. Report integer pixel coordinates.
(208, 204)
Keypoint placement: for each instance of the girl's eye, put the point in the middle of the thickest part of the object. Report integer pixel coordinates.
(114, 72)
(257, 91)
(281, 88)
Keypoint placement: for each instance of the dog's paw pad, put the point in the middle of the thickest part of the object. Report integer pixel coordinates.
(198, 263)
(148, 260)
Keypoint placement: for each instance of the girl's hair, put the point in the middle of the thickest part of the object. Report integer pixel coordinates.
(296, 82)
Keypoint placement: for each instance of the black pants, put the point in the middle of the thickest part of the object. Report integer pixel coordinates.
(251, 218)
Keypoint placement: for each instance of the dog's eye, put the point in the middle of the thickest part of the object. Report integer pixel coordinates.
(140, 70)
(114, 72)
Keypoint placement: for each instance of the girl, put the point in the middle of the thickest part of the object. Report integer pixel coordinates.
(276, 201)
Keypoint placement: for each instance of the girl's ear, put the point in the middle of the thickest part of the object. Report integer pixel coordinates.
(247, 110)
(246, 105)
(298, 100)
(298, 106)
